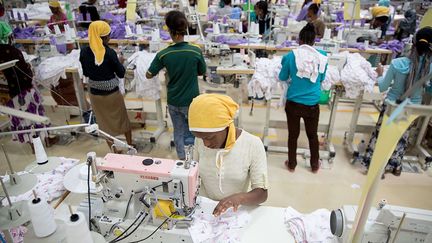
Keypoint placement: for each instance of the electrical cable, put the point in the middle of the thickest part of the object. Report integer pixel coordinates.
(88, 194)
(136, 227)
(127, 206)
(160, 226)
(130, 226)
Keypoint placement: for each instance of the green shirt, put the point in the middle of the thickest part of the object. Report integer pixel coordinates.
(184, 62)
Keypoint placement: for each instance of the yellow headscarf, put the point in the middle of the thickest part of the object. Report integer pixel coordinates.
(54, 3)
(98, 29)
(380, 11)
(214, 113)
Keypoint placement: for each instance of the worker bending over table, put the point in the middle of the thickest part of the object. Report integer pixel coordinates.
(184, 62)
(401, 75)
(104, 69)
(306, 67)
(229, 158)
(380, 17)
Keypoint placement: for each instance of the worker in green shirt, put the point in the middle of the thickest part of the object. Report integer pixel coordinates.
(184, 62)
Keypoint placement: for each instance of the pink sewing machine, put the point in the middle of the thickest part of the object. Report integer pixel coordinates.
(154, 178)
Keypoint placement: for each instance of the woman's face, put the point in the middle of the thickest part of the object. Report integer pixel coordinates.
(54, 10)
(259, 12)
(213, 140)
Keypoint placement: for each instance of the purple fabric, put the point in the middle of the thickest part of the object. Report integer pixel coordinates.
(340, 16)
(118, 31)
(164, 35)
(24, 33)
(61, 48)
(230, 41)
(114, 18)
(286, 43)
(303, 12)
(394, 45)
(358, 45)
(82, 34)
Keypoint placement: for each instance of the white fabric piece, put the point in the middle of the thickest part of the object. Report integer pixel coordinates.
(52, 69)
(313, 227)
(225, 228)
(332, 77)
(264, 82)
(309, 62)
(357, 75)
(122, 86)
(49, 185)
(147, 88)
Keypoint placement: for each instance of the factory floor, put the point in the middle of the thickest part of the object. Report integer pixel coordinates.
(302, 190)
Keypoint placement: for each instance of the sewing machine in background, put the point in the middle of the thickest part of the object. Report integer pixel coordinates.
(354, 34)
(385, 224)
(161, 190)
(286, 30)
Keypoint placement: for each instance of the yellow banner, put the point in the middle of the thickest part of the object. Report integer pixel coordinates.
(131, 11)
(352, 10)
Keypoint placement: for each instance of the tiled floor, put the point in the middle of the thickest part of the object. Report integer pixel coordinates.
(302, 190)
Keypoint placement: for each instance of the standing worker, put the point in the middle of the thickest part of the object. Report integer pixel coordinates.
(401, 75)
(104, 69)
(89, 9)
(306, 67)
(184, 62)
(57, 17)
(312, 17)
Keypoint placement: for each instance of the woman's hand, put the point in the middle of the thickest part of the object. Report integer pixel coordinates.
(233, 201)
(379, 70)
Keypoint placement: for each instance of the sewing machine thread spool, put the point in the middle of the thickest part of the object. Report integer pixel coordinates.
(340, 35)
(216, 29)
(47, 31)
(327, 34)
(57, 30)
(76, 225)
(128, 30)
(42, 217)
(381, 204)
(139, 30)
(41, 156)
(240, 27)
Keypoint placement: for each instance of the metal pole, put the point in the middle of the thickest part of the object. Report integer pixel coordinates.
(7, 160)
(43, 129)
(79, 92)
(399, 227)
(5, 191)
(354, 119)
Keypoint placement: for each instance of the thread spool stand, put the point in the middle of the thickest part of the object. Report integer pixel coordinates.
(17, 184)
(13, 215)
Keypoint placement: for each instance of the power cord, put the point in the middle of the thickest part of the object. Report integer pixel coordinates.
(130, 226)
(136, 227)
(160, 226)
(88, 194)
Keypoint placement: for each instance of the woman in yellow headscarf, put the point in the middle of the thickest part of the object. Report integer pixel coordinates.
(104, 70)
(57, 17)
(230, 159)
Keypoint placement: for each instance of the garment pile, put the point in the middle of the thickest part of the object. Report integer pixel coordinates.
(266, 78)
(357, 75)
(313, 227)
(49, 71)
(224, 228)
(332, 77)
(146, 88)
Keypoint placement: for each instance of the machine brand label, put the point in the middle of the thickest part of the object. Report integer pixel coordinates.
(146, 177)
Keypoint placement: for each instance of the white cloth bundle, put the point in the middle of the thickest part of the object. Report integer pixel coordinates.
(332, 77)
(309, 62)
(148, 88)
(357, 75)
(313, 227)
(52, 69)
(265, 79)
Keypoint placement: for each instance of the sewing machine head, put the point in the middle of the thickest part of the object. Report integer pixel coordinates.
(383, 224)
(151, 181)
(352, 36)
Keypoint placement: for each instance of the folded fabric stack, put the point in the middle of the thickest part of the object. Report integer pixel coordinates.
(265, 79)
(313, 227)
(50, 71)
(147, 88)
(357, 75)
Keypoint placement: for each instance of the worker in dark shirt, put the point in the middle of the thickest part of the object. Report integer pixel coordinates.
(89, 8)
(183, 62)
(104, 69)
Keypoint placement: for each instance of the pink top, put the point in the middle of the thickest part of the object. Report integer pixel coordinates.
(58, 19)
